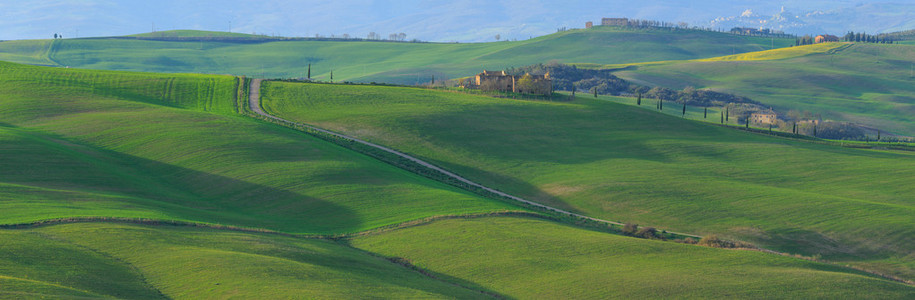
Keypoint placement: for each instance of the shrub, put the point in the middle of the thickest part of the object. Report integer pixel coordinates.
(630, 229)
(648, 233)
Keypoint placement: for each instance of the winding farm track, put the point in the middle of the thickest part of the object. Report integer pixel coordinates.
(254, 103)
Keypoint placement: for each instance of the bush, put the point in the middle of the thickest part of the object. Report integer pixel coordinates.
(648, 233)
(630, 229)
(716, 242)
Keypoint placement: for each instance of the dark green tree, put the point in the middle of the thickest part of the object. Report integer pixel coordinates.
(595, 91)
(727, 115)
(639, 102)
(309, 71)
(684, 110)
(878, 135)
(722, 117)
(705, 113)
(331, 76)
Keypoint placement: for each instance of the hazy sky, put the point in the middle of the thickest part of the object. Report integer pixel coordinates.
(435, 20)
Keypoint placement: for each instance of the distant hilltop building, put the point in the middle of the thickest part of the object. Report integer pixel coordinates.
(826, 38)
(614, 22)
(589, 24)
(764, 118)
(525, 84)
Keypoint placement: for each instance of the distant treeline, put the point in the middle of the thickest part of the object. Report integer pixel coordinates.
(907, 35)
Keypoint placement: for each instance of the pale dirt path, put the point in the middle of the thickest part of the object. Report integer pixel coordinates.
(254, 102)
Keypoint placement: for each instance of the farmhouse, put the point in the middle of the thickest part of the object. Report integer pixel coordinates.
(614, 22)
(764, 118)
(825, 38)
(589, 24)
(526, 84)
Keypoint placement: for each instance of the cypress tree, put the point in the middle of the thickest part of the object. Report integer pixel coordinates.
(331, 76)
(814, 130)
(595, 92)
(639, 102)
(727, 115)
(794, 129)
(684, 110)
(433, 79)
(722, 117)
(878, 135)
(309, 71)
(661, 104)
(748, 123)
(706, 113)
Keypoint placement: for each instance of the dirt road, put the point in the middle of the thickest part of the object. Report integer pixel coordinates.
(255, 106)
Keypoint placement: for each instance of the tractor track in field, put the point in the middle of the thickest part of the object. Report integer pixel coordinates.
(254, 103)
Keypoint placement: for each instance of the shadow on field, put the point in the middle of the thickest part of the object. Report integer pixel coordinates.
(179, 192)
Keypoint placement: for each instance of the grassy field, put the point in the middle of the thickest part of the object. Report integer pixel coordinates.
(378, 61)
(81, 143)
(632, 165)
(863, 83)
(142, 262)
(517, 257)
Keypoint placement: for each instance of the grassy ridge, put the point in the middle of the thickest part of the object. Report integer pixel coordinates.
(379, 61)
(864, 83)
(80, 143)
(627, 164)
(141, 262)
(518, 258)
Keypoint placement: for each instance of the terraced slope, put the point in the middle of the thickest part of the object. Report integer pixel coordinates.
(376, 60)
(78, 143)
(143, 262)
(518, 258)
(863, 83)
(626, 164)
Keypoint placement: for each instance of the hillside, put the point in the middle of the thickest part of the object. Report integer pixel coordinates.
(608, 266)
(80, 143)
(392, 62)
(628, 164)
(129, 156)
(869, 84)
(154, 262)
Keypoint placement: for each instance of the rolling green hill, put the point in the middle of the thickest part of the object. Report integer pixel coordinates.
(460, 258)
(627, 164)
(101, 144)
(869, 84)
(393, 62)
(143, 262)
(81, 143)
(601, 266)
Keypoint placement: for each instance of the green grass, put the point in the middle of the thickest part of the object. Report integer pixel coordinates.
(628, 164)
(81, 143)
(142, 262)
(379, 61)
(527, 259)
(864, 83)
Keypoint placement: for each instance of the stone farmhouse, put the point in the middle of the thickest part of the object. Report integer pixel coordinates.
(614, 22)
(525, 84)
(764, 118)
